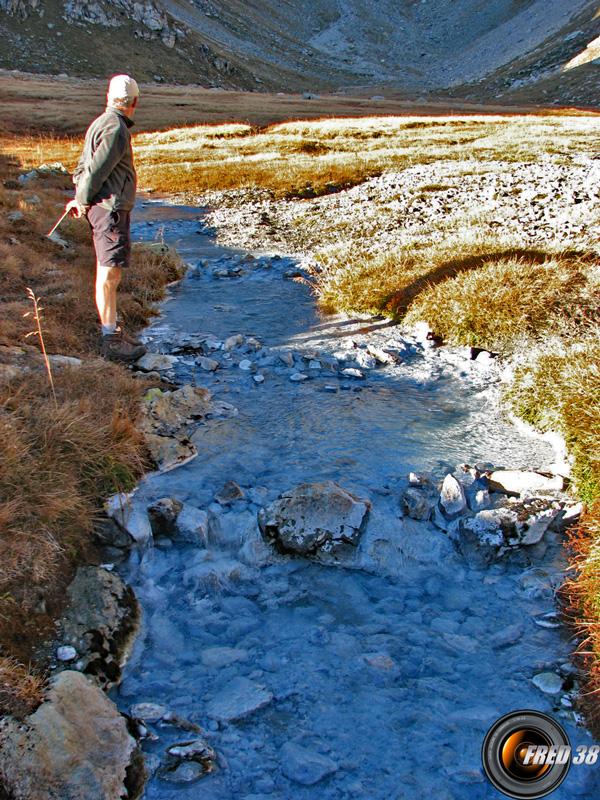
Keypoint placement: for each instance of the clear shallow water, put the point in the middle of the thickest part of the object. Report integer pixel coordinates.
(388, 669)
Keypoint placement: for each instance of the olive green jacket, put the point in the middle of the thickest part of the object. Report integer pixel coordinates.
(105, 174)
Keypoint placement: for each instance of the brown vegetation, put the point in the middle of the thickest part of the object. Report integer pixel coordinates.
(60, 457)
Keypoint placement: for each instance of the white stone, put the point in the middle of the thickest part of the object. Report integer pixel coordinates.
(452, 496)
(245, 365)
(524, 481)
(259, 378)
(297, 377)
(66, 653)
(158, 362)
(350, 372)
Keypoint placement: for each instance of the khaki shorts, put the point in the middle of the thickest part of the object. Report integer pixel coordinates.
(111, 233)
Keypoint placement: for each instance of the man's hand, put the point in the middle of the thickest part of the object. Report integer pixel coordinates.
(76, 209)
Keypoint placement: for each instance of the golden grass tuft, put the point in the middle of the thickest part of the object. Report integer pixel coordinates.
(20, 687)
(500, 303)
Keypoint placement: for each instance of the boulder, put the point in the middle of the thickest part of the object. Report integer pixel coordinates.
(314, 517)
(99, 622)
(482, 538)
(76, 746)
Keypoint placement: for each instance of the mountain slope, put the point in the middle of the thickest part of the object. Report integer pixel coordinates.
(414, 46)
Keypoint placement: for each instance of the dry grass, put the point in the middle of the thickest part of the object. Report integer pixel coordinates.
(559, 390)
(308, 158)
(583, 595)
(59, 460)
(20, 687)
(500, 302)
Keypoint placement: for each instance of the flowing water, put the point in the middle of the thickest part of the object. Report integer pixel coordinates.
(376, 680)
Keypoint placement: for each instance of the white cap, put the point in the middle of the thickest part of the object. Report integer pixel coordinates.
(122, 89)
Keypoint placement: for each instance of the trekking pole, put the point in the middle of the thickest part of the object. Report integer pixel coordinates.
(51, 233)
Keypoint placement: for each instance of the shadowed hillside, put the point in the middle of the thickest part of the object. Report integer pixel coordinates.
(473, 49)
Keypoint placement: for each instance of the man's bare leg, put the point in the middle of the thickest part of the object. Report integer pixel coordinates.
(107, 283)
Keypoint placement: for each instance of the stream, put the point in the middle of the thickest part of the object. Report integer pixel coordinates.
(374, 680)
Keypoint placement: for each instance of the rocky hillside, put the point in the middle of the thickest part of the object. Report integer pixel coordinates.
(466, 47)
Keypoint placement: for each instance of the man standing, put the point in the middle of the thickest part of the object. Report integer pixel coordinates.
(105, 185)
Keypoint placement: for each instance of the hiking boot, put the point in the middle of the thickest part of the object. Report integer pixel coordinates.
(115, 347)
(127, 336)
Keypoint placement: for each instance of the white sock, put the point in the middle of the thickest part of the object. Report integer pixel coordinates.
(108, 329)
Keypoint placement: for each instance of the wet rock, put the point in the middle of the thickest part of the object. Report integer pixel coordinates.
(417, 503)
(207, 364)
(76, 746)
(155, 362)
(148, 712)
(169, 418)
(245, 365)
(452, 497)
(131, 517)
(109, 534)
(258, 378)
(548, 682)
(365, 360)
(305, 766)
(507, 636)
(237, 340)
(550, 620)
(99, 622)
(482, 537)
(317, 517)
(197, 750)
(163, 516)
(287, 358)
(192, 525)
(217, 657)
(186, 772)
(15, 216)
(298, 377)
(518, 482)
(239, 698)
(230, 492)
(381, 356)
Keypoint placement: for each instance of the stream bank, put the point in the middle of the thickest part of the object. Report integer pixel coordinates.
(330, 679)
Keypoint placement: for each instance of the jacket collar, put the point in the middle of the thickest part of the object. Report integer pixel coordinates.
(129, 122)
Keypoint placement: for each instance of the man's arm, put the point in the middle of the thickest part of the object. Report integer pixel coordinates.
(107, 155)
